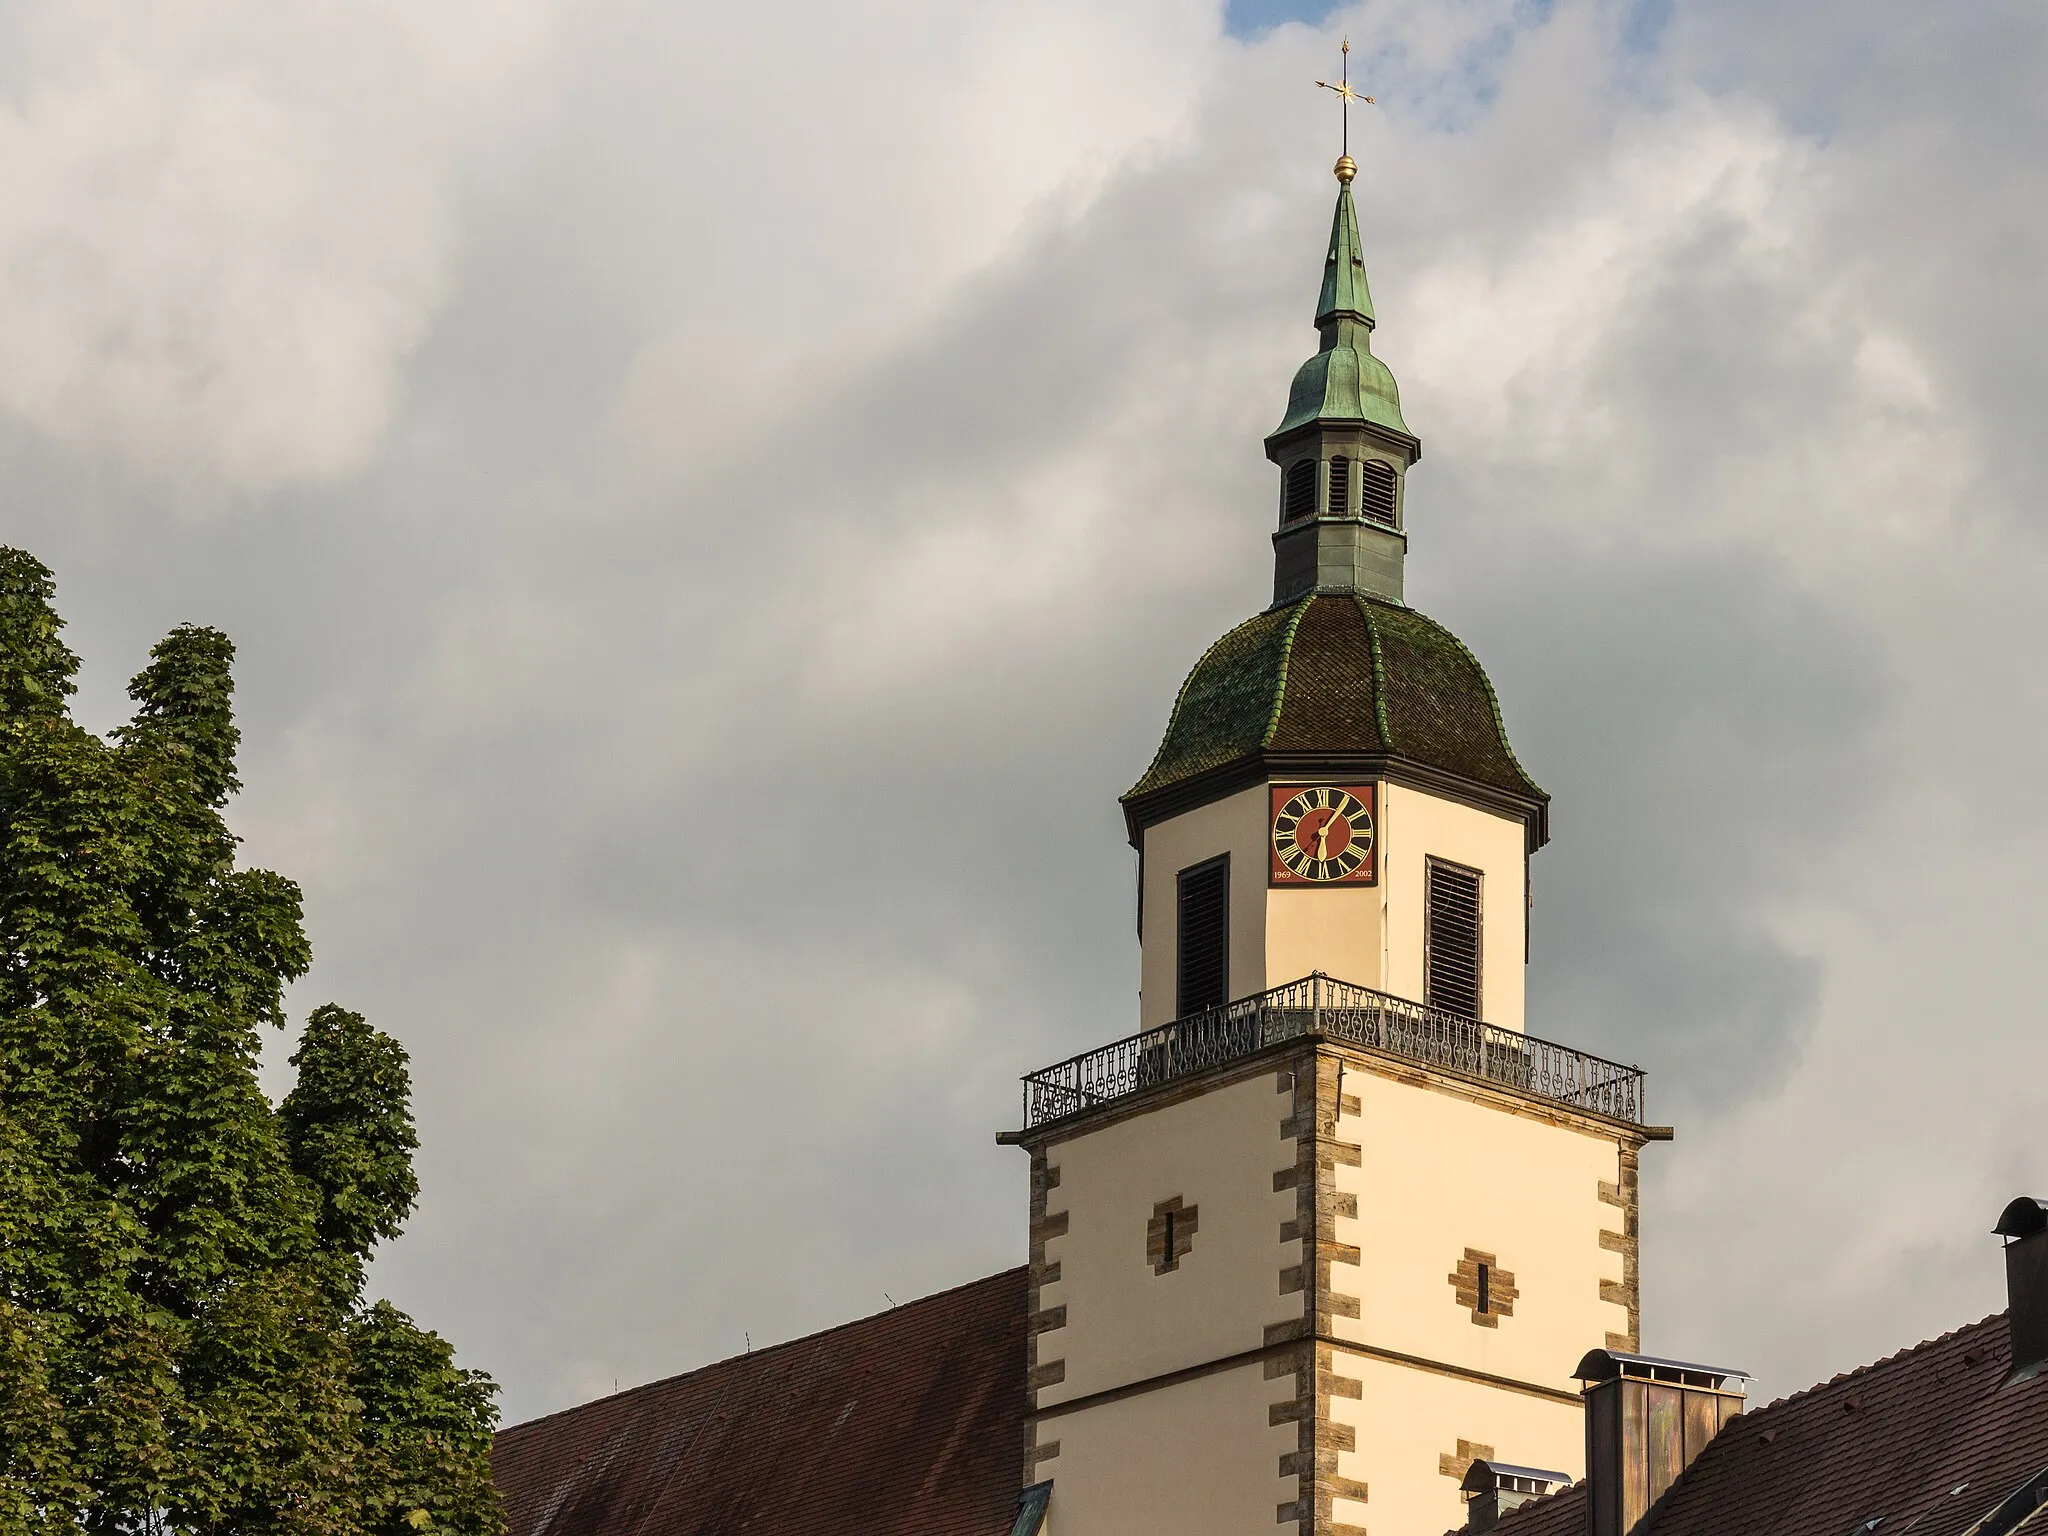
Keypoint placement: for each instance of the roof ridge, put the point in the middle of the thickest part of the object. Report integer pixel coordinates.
(1280, 686)
(1541, 1500)
(1379, 675)
(1897, 1355)
(771, 1349)
(1544, 1498)
(1500, 724)
(1180, 698)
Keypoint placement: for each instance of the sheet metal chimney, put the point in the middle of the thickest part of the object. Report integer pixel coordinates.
(2024, 1226)
(1646, 1419)
(1492, 1488)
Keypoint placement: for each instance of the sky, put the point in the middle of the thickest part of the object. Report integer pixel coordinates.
(714, 504)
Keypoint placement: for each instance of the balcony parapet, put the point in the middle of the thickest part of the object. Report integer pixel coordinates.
(1319, 1007)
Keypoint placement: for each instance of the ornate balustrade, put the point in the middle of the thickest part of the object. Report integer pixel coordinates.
(1319, 1007)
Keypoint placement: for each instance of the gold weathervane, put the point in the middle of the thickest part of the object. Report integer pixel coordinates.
(1346, 166)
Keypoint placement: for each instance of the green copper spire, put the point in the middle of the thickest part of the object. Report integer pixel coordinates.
(1344, 289)
(1343, 450)
(1344, 382)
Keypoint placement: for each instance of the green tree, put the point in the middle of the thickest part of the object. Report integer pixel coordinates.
(184, 1340)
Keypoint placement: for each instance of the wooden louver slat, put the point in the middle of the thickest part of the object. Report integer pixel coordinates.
(1376, 500)
(1451, 940)
(1301, 491)
(1204, 937)
(1340, 487)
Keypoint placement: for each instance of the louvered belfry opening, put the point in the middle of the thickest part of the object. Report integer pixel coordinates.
(1376, 499)
(1204, 937)
(1340, 487)
(1300, 500)
(1450, 963)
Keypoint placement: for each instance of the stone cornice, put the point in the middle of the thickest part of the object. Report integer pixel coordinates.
(1170, 800)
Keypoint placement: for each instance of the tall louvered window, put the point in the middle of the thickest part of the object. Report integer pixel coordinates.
(1340, 487)
(1377, 500)
(1450, 962)
(1300, 499)
(1204, 931)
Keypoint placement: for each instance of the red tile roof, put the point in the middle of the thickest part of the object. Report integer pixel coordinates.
(907, 1423)
(1562, 1514)
(1928, 1439)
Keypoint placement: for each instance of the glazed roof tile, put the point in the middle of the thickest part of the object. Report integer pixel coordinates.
(1561, 1514)
(1339, 672)
(907, 1423)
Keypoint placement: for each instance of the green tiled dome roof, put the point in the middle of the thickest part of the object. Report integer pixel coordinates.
(1339, 673)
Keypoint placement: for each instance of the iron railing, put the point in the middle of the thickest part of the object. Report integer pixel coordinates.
(1319, 1007)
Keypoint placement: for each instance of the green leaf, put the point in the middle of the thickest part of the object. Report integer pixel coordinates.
(183, 1342)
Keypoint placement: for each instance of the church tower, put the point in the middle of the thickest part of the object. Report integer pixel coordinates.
(1332, 1224)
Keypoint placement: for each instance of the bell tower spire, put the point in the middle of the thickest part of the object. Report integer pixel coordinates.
(1343, 450)
(1320, 1333)
(1345, 295)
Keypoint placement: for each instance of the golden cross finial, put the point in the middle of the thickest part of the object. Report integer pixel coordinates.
(1346, 167)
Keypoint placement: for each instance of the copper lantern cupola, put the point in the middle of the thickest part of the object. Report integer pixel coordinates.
(1342, 448)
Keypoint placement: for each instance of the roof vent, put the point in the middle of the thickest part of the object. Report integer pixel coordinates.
(1492, 1488)
(1299, 498)
(1646, 1419)
(1380, 488)
(2024, 1226)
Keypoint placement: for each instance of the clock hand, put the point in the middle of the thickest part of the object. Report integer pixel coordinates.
(1323, 836)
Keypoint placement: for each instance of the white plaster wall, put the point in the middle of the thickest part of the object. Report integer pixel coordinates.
(1218, 1152)
(1405, 1419)
(1235, 825)
(1416, 826)
(1333, 929)
(1196, 1459)
(1439, 1173)
(1372, 935)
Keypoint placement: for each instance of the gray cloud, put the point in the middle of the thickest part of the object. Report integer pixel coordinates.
(693, 672)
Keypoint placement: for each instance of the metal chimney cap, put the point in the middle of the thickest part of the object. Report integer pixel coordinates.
(1605, 1364)
(2022, 1218)
(1483, 1476)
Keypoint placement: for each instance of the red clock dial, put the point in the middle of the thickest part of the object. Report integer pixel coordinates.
(1322, 834)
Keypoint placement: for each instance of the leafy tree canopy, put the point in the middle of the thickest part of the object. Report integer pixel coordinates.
(184, 1341)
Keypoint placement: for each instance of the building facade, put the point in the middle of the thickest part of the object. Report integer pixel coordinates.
(1331, 1226)
(1331, 1243)
(1330, 1229)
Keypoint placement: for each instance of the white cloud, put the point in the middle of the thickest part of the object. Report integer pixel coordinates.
(216, 255)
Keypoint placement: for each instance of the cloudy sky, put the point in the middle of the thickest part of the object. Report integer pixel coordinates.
(714, 502)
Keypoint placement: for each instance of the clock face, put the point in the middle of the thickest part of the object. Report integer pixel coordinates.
(1323, 835)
